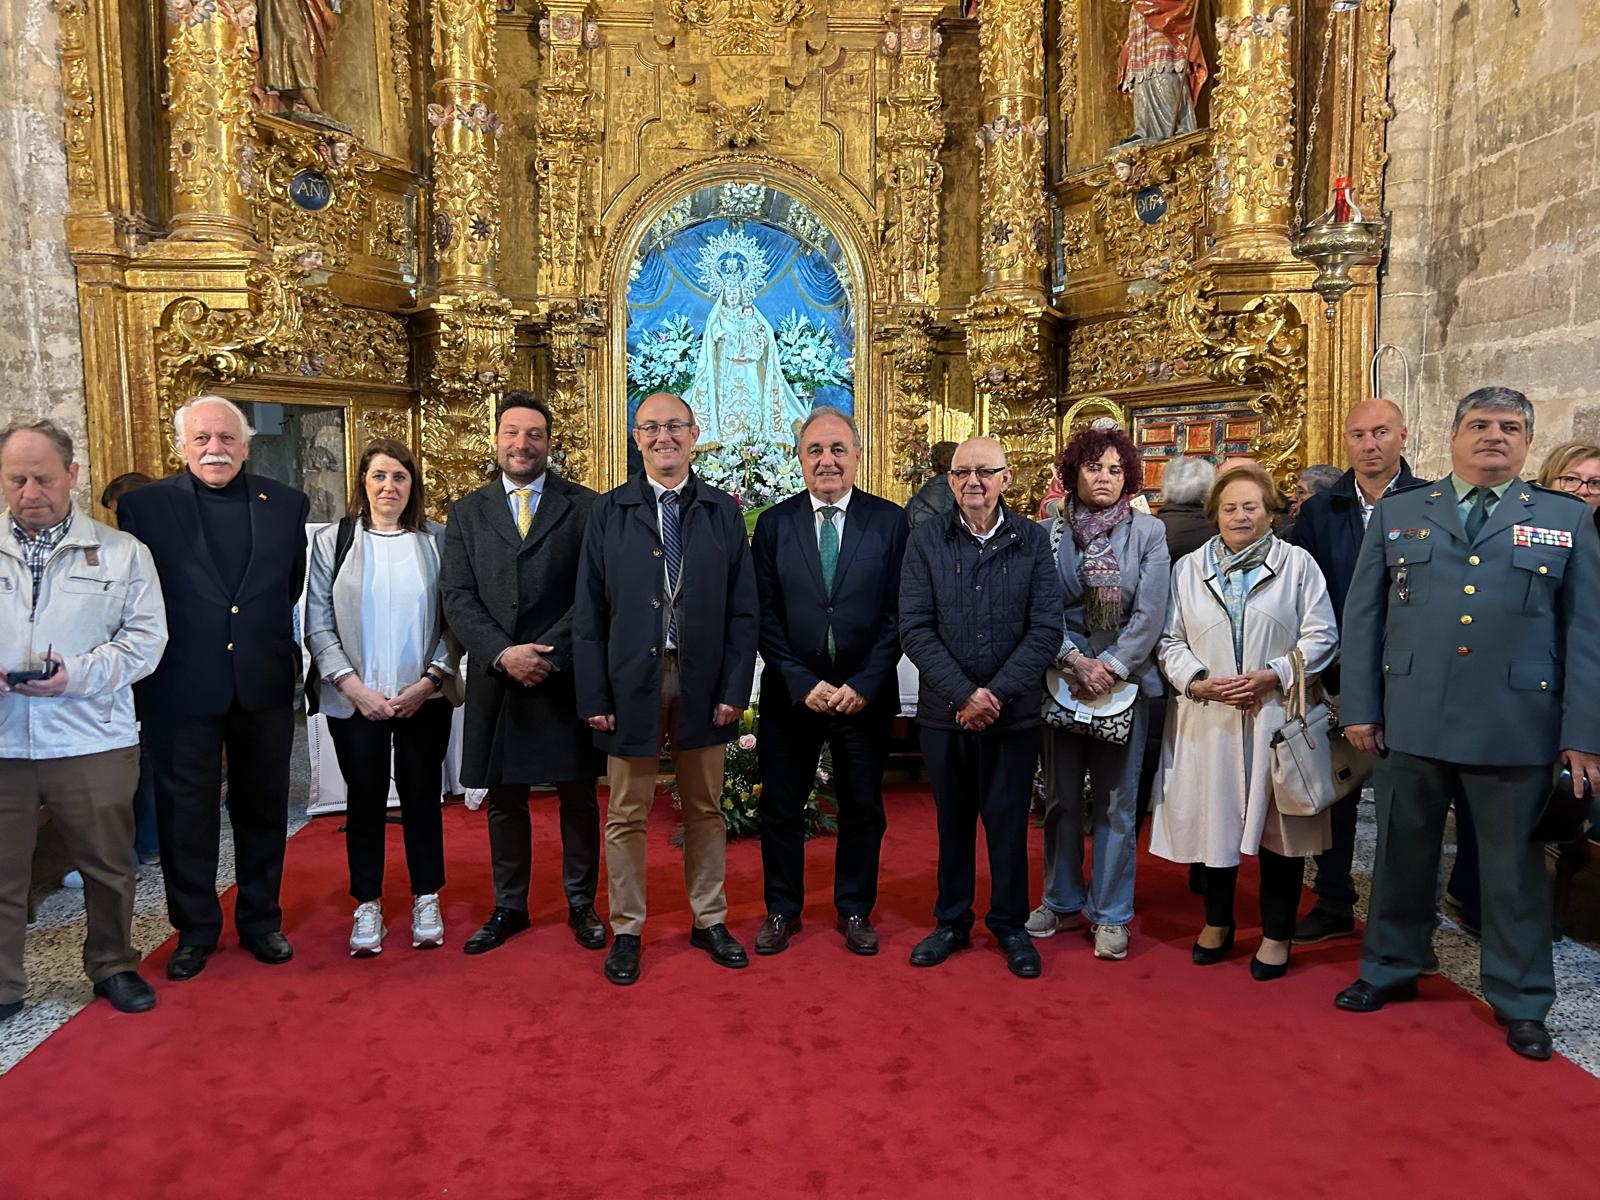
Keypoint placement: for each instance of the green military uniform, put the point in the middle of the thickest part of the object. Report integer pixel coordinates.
(1462, 648)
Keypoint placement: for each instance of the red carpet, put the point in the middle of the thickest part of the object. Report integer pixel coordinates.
(524, 1074)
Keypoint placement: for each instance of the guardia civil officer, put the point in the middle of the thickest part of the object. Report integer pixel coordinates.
(1471, 608)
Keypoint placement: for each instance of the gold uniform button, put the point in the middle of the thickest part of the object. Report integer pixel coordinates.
(1474, 560)
(1463, 651)
(1402, 560)
(230, 645)
(1385, 668)
(234, 609)
(1544, 570)
(1470, 590)
(1544, 685)
(1466, 620)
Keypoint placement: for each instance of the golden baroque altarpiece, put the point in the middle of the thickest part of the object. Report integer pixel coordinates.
(463, 218)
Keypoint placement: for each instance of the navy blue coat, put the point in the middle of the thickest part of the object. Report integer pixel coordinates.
(221, 646)
(619, 620)
(1329, 529)
(862, 609)
(980, 615)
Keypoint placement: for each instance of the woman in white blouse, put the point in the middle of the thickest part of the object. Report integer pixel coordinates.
(1240, 605)
(375, 630)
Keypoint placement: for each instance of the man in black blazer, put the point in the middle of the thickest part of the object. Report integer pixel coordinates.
(231, 552)
(828, 574)
(510, 568)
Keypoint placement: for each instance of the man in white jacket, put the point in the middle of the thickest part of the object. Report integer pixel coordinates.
(81, 612)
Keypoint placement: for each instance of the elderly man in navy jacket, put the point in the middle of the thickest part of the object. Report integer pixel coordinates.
(664, 642)
(980, 616)
(828, 573)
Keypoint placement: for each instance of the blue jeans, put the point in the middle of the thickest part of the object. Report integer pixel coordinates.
(1113, 813)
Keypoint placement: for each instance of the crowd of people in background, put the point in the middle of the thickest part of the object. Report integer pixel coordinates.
(1149, 665)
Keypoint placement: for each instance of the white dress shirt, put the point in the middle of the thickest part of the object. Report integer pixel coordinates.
(1361, 497)
(842, 503)
(535, 490)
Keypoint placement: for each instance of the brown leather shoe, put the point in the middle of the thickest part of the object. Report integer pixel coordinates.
(859, 935)
(775, 934)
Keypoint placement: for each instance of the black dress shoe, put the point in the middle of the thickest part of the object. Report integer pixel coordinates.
(127, 992)
(502, 923)
(1266, 971)
(859, 936)
(272, 948)
(1362, 996)
(1210, 956)
(187, 962)
(939, 945)
(1022, 956)
(9, 1009)
(587, 927)
(1528, 1038)
(775, 933)
(622, 962)
(721, 945)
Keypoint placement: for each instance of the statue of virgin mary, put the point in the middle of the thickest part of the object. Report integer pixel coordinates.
(739, 392)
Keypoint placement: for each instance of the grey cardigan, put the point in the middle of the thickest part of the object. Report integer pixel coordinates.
(333, 616)
(1140, 544)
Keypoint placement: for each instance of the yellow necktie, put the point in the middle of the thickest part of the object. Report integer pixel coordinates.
(524, 513)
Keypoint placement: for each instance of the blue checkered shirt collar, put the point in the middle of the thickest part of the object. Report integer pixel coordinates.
(36, 548)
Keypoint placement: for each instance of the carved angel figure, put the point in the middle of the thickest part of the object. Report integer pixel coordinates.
(1163, 66)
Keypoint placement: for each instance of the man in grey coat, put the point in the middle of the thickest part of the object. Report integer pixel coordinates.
(1472, 638)
(664, 641)
(510, 561)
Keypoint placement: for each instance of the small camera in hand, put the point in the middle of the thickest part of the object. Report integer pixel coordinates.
(45, 672)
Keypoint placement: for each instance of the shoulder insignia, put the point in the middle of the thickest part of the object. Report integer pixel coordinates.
(1434, 495)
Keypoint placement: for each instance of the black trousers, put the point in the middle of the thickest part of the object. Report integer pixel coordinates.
(1335, 886)
(987, 776)
(363, 748)
(1280, 894)
(187, 755)
(791, 741)
(511, 842)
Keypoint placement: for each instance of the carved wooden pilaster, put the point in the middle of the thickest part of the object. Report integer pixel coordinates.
(210, 67)
(1252, 114)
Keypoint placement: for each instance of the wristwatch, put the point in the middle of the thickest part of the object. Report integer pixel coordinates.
(438, 683)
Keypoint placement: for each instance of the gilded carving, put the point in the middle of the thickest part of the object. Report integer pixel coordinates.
(389, 233)
(572, 344)
(912, 134)
(328, 339)
(1180, 171)
(392, 423)
(1078, 247)
(1376, 108)
(567, 162)
(1067, 59)
(1252, 114)
(911, 345)
(470, 356)
(1015, 229)
(739, 126)
(321, 160)
(211, 68)
(1103, 356)
(400, 50)
(740, 26)
(78, 93)
(465, 129)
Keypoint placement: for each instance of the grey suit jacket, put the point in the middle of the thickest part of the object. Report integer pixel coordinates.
(1481, 651)
(1140, 544)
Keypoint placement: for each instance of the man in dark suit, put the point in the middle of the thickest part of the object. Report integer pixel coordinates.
(828, 574)
(1471, 642)
(510, 565)
(664, 642)
(1330, 528)
(231, 552)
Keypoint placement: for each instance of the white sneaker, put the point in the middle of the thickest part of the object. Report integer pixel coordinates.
(1111, 941)
(427, 926)
(1046, 922)
(73, 880)
(367, 933)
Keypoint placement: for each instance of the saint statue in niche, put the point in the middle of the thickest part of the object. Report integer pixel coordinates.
(295, 35)
(1163, 66)
(739, 392)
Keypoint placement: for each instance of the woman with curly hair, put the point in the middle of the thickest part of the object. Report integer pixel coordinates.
(1114, 570)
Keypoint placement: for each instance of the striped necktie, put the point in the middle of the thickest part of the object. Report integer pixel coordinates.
(672, 543)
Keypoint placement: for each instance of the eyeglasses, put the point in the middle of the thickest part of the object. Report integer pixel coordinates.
(1576, 483)
(651, 428)
(964, 473)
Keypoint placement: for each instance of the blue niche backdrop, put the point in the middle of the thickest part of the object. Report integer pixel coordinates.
(737, 302)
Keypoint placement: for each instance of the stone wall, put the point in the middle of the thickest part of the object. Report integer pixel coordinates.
(1494, 186)
(41, 357)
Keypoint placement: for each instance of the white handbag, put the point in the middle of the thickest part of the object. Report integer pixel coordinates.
(1107, 718)
(1302, 753)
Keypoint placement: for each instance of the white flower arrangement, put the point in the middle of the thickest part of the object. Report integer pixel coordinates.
(665, 359)
(809, 358)
(754, 472)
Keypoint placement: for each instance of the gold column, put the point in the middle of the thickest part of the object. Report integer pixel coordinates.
(466, 189)
(913, 132)
(210, 67)
(1004, 321)
(1252, 116)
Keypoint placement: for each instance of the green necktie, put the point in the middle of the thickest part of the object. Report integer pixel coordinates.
(1479, 513)
(828, 547)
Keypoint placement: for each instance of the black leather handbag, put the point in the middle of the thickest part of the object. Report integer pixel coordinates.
(1564, 817)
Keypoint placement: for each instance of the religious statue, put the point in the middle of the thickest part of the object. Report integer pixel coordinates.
(1164, 67)
(739, 392)
(295, 35)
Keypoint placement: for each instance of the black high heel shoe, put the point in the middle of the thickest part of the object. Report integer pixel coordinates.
(1205, 956)
(1265, 971)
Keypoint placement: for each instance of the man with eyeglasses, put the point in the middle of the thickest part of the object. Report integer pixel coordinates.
(664, 643)
(980, 616)
(1470, 638)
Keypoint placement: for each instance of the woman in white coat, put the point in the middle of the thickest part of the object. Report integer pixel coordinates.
(1240, 605)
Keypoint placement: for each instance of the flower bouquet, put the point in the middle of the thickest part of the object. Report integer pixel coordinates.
(809, 358)
(664, 359)
(755, 472)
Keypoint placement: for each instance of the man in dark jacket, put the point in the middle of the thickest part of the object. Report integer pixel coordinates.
(665, 642)
(510, 562)
(934, 500)
(980, 616)
(230, 548)
(828, 574)
(1330, 528)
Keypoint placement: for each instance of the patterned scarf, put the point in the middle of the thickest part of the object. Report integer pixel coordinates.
(1097, 562)
(1232, 568)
